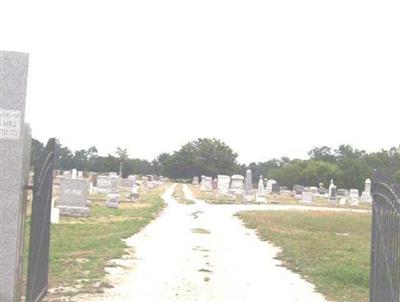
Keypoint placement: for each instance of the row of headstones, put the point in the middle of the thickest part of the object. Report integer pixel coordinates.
(334, 195)
(238, 185)
(74, 190)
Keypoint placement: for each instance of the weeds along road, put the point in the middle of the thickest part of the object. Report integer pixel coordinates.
(201, 252)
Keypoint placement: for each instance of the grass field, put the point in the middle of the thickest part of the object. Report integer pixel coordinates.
(82, 247)
(331, 250)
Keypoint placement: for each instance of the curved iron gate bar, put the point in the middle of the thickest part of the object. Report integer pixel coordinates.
(48, 164)
(42, 229)
(37, 284)
(386, 252)
(385, 243)
(395, 202)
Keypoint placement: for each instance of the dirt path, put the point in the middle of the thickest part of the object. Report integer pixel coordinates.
(202, 252)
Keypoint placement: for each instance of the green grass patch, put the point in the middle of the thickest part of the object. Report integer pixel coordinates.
(331, 250)
(81, 247)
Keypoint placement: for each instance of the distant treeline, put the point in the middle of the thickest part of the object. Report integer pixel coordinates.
(348, 166)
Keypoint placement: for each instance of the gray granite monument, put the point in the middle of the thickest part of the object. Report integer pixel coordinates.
(113, 198)
(248, 183)
(14, 170)
(74, 197)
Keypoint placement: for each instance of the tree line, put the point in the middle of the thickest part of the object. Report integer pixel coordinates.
(349, 167)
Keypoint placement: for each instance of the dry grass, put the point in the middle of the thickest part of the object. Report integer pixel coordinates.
(331, 250)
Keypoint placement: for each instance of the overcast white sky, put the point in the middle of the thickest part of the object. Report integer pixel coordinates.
(270, 78)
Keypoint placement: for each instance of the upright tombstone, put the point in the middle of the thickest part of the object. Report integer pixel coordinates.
(342, 193)
(237, 184)
(260, 197)
(74, 173)
(215, 184)
(248, 183)
(332, 193)
(298, 191)
(307, 197)
(14, 170)
(113, 198)
(93, 179)
(134, 194)
(271, 186)
(128, 183)
(314, 190)
(366, 194)
(195, 180)
(67, 174)
(354, 197)
(223, 183)
(275, 188)
(103, 184)
(206, 183)
(144, 184)
(74, 197)
(322, 190)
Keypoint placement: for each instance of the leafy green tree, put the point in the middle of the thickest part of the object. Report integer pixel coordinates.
(64, 157)
(202, 156)
(348, 166)
(319, 171)
(397, 176)
(322, 154)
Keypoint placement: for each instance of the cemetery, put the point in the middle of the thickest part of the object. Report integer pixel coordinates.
(94, 228)
(232, 190)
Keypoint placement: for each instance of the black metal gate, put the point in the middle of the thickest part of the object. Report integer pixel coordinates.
(39, 243)
(385, 247)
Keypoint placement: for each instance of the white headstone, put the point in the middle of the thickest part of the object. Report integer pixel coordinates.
(332, 192)
(270, 184)
(307, 197)
(260, 197)
(223, 183)
(206, 183)
(366, 195)
(55, 214)
(354, 197)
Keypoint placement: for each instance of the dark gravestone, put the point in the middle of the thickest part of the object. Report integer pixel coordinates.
(74, 197)
(275, 189)
(298, 189)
